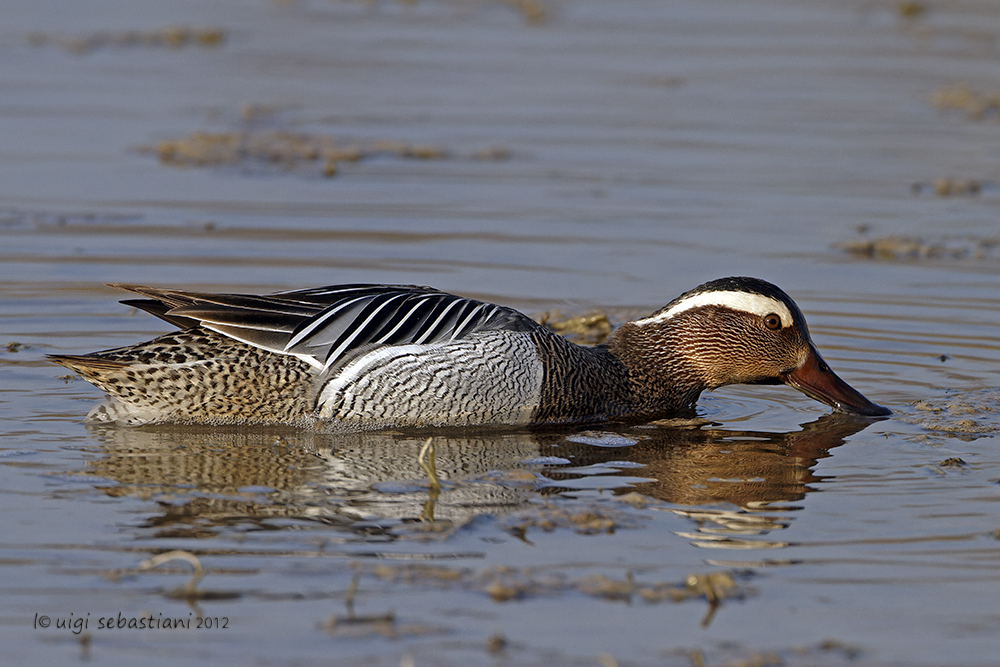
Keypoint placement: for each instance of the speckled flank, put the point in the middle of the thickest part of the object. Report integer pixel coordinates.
(491, 378)
(197, 376)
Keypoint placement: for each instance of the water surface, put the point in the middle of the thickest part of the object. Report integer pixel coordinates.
(602, 156)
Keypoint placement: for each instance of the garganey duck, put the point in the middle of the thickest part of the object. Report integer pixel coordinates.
(359, 357)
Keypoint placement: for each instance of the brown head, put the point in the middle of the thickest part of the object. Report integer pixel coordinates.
(729, 331)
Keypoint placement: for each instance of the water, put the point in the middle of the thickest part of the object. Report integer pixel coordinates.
(607, 157)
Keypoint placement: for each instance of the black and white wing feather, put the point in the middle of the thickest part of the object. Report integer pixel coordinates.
(328, 324)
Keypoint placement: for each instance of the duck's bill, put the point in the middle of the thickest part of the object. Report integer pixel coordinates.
(815, 379)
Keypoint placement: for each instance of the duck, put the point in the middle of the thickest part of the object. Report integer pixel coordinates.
(359, 357)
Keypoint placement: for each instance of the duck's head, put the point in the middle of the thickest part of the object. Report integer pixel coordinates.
(732, 331)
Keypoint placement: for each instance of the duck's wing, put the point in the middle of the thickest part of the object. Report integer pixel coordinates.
(326, 324)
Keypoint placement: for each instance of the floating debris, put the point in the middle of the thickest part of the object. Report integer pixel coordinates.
(601, 586)
(714, 587)
(966, 416)
(14, 346)
(949, 187)
(734, 654)
(910, 9)
(285, 150)
(533, 11)
(607, 660)
(962, 426)
(496, 643)
(173, 37)
(492, 153)
(836, 646)
(585, 518)
(916, 248)
(589, 329)
(419, 573)
(277, 147)
(504, 583)
(962, 97)
(501, 592)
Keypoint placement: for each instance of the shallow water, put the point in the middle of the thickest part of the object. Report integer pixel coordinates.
(608, 156)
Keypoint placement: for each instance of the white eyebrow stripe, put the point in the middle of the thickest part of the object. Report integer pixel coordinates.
(748, 302)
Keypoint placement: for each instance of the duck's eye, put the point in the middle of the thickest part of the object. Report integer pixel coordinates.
(772, 322)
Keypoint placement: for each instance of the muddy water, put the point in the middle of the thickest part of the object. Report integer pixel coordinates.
(562, 156)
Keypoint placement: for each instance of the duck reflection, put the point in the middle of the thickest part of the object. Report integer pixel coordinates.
(705, 465)
(206, 481)
(735, 485)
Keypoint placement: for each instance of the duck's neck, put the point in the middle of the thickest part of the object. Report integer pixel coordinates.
(662, 381)
(628, 378)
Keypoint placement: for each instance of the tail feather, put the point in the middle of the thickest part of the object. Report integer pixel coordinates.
(90, 367)
(162, 310)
